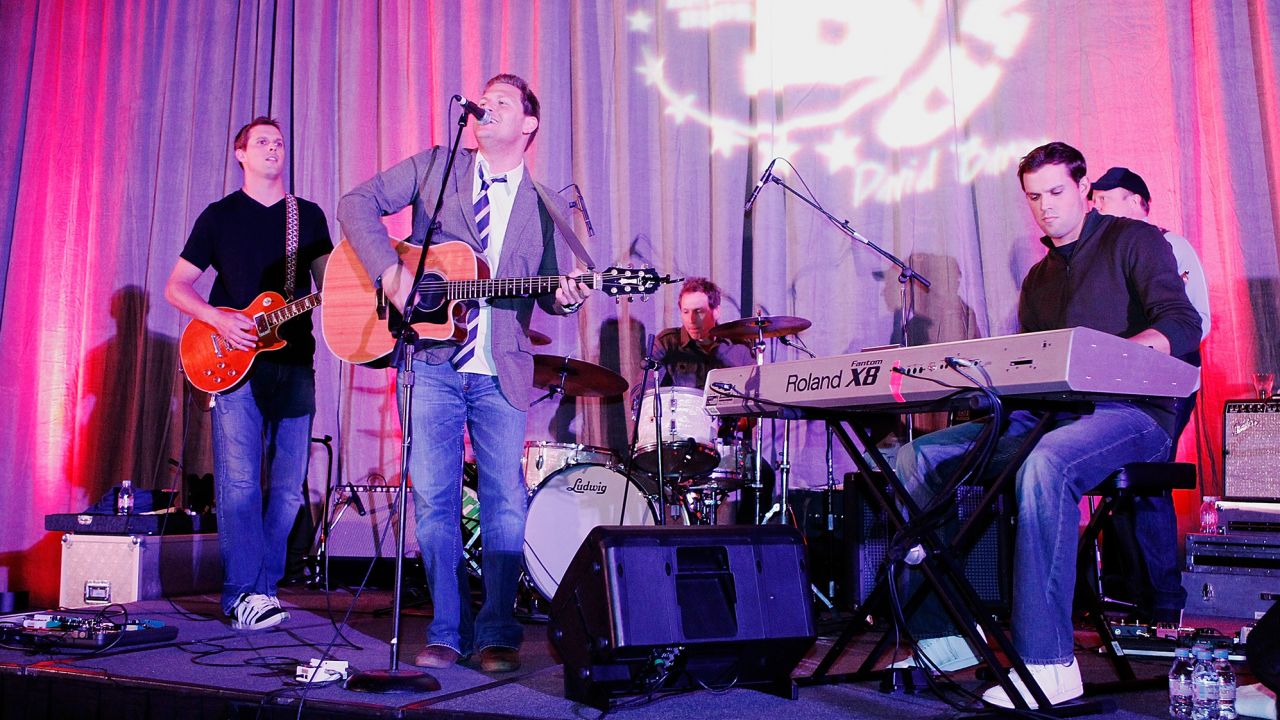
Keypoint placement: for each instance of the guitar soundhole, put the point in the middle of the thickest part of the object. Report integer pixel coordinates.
(431, 294)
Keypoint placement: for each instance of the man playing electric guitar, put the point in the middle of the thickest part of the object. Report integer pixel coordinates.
(257, 239)
(482, 382)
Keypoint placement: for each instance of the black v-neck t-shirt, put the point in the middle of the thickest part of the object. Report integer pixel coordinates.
(244, 242)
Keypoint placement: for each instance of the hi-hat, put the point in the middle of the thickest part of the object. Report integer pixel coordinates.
(576, 377)
(769, 326)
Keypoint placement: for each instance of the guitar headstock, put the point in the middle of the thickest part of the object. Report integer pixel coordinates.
(617, 282)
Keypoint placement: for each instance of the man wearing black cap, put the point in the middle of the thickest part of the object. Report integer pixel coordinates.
(1123, 193)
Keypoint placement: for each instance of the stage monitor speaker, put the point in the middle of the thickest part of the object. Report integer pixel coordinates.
(363, 523)
(988, 567)
(645, 609)
(1251, 450)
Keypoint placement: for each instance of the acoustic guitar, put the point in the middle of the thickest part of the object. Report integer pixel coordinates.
(209, 361)
(357, 319)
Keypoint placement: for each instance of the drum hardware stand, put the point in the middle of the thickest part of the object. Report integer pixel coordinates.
(394, 679)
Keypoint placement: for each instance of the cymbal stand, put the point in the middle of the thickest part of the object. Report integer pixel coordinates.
(757, 480)
(556, 389)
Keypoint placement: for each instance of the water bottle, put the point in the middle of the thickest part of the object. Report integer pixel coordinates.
(1204, 688)
(1226, 684)
(124, 498)
(1209, 515)
(1180, 685)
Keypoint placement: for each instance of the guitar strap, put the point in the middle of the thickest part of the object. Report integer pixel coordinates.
(570, 237)
(290, 245)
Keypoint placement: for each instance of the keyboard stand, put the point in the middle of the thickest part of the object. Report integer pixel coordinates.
(943, 575)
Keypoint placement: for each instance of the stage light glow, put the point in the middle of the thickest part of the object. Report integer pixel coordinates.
(898, 81)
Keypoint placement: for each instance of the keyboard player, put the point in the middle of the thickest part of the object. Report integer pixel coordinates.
(1106, 273)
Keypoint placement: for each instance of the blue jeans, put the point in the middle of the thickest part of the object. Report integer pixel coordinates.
(444, 401)
(264, 423)
(1075, 455)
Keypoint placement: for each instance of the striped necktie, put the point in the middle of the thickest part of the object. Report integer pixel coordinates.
(467, 349)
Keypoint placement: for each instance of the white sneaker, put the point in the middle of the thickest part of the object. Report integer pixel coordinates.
(1059, 682)
(948, 654)
(255, 611)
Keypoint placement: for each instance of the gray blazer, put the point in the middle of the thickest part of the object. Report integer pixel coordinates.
(531, 246)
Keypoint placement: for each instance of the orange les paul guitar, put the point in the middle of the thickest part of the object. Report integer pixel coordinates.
(357, 320)
(212, 365)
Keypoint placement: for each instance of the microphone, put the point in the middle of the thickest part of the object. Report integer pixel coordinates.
(482, 115)
(768, 173)
(723, 387)
(355, 500)
(647, 359)
(581, 204)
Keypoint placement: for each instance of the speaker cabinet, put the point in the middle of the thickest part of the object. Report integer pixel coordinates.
(644, 609)
(363, 523)
(988, 566)
(1251, 450)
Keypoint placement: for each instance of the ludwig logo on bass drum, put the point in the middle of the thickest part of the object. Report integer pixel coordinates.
(582, 486)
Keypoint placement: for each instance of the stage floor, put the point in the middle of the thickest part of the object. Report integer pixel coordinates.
(213, 671)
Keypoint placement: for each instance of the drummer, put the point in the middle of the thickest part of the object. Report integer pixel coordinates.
(685, 354)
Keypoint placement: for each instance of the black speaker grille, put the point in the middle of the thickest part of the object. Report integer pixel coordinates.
(986, 567)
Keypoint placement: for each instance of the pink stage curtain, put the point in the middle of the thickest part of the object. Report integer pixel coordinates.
(905, 118)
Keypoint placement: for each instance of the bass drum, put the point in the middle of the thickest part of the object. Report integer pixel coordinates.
(567, 506)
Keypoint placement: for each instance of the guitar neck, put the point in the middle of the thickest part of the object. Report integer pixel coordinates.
(513, 287)
(271, 320)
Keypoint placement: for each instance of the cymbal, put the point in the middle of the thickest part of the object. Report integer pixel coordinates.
(576, 377)
(537, 338)
(770, 326)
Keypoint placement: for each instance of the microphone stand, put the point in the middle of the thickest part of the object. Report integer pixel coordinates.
(393, 679)
(650, 366)
(906, 274)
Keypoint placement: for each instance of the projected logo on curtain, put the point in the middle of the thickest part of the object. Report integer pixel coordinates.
(860, 82)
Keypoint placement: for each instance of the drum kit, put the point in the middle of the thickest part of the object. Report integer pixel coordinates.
(681, 465)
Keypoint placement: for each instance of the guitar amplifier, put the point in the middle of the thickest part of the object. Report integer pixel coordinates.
(363, 522)
(1251, 450)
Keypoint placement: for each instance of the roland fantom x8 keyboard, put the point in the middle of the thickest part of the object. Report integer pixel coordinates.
(1072, 364)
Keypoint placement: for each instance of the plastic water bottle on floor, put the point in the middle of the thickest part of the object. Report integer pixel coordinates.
(1180, 685)
(1204, 684)
(1226, 684)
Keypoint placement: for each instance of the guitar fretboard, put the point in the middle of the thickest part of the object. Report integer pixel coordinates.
(510, 287)
(288, 312)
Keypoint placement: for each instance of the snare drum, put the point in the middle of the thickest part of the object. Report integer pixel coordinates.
(566, 507)
(688, 433)
(544, 459)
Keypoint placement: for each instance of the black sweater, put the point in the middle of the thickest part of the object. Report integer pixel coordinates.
(1120, 278)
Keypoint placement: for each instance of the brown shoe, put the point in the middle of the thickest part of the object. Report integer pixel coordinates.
(436, 656)
(499, 660)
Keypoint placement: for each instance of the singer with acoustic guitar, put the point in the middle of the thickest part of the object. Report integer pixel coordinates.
(261, 242)
(480, 378)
